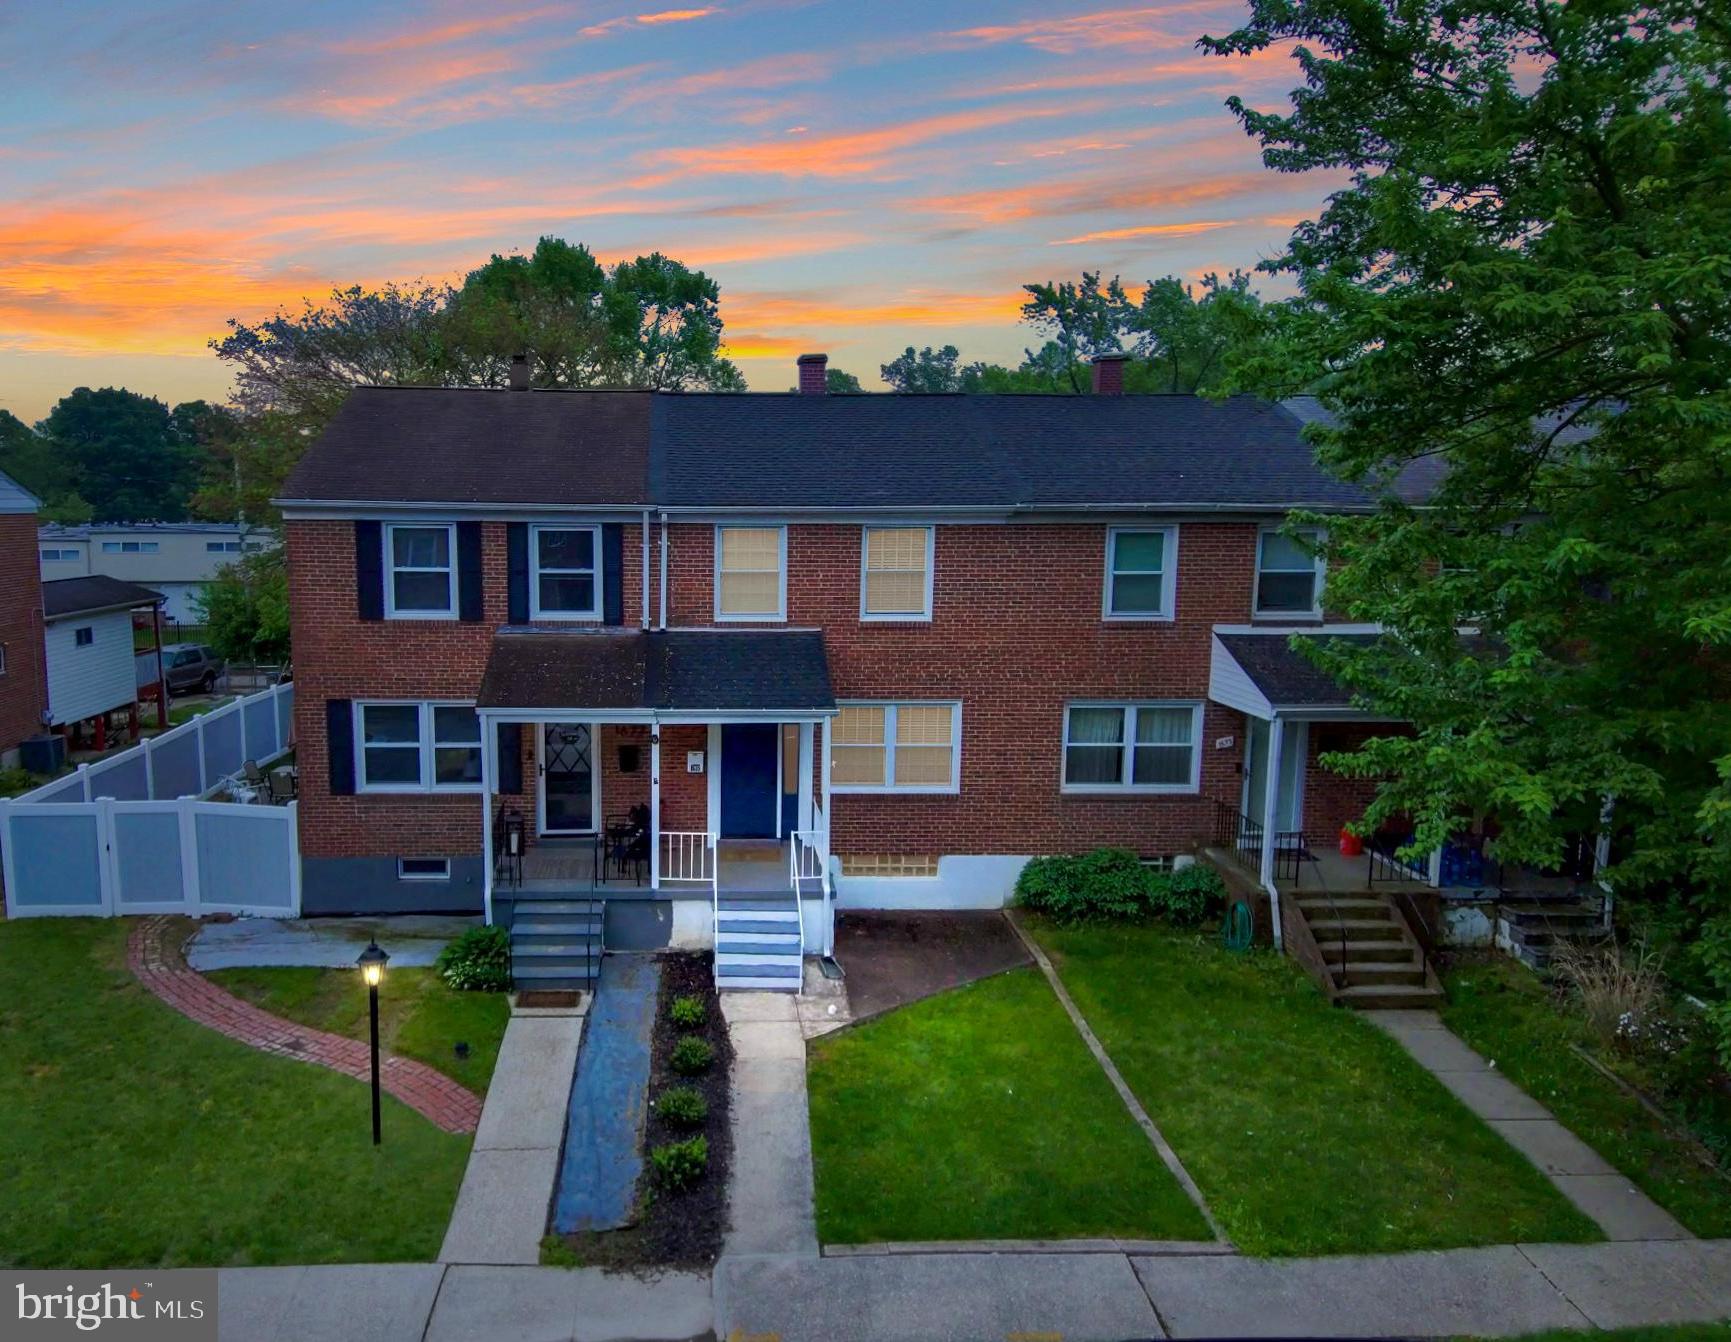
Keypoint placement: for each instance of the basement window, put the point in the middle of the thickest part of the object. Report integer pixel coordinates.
(423, 868)
(896, 865)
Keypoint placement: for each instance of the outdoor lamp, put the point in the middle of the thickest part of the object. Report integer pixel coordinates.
(372, 966)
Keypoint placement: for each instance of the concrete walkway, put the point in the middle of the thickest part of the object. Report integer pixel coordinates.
(609, 1100)
(501, 1212)
(1580, 1173)
(769, 1196)
(328, 943)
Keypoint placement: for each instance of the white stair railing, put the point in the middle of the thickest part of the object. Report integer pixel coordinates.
(688, 855)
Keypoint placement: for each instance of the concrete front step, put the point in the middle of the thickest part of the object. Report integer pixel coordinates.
(1362, 952)
(753, 948)
(521, 907)
(543, 946)
(1361, 975)
(555, 927)
(745, 905)
(1390, 997)
(553, 976)
(1328, 931)
(766, 929)
(1317, 906)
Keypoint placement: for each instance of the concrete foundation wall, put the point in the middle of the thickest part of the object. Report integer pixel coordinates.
(371, 885)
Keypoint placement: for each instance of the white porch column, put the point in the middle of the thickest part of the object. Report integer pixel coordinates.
(654, 804)
(807, 750)
(823, 770)
(489, 746)
(1270, 813)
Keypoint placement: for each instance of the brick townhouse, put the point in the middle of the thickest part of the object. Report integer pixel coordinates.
(708, 666)
(23, 667)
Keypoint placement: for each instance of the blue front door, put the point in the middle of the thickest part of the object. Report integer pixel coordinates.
(749, 795)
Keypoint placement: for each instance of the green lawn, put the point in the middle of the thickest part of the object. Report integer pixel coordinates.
(134, 1137)
(1308, 1130)
(183, 712)
(419, 1017)
(1507, 1014)
(1664, 1332)
(979, 1114)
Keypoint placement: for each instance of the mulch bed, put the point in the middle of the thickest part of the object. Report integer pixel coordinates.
(683, 1229)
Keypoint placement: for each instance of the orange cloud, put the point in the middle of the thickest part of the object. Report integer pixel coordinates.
(1121, 28)
(820, 313)
(415, 39)
(851, 154)
(1045, 200)
(677, 15)
(1146, 231)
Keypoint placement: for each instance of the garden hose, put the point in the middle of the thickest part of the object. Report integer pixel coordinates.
(1238, 929)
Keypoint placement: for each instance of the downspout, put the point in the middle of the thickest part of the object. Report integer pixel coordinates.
(1270, 814)
(662, 624)
(643, 569)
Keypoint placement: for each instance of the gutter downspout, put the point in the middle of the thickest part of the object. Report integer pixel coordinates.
(1270, 813)
(644, 569)
(662, 622)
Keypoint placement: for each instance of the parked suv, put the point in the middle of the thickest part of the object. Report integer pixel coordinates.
(190, 666)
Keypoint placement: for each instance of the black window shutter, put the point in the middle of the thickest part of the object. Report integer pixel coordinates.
(517, 572)
(510, 758)
(469, 603)
(340, 744)
(369, 571)
(613, 573)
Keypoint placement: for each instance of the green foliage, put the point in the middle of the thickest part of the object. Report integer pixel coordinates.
(687, 1012)
(478, 961)
(122, 456)
(678, 1165)
(16, 781)
(1107, 883)
(683, 1107)
(929, 371)
(1188, 896)
(1521, 293)
(245, 608)
(691, 1056)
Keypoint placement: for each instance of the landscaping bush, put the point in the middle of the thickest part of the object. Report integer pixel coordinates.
(1189, 896)
(478, 961)
(683, 1107)
(678, 1165)
(691, 1056)
(1106, 883)
(1621, 993)
(686, 1012)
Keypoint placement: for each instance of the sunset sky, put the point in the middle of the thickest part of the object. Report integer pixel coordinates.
(859, 176)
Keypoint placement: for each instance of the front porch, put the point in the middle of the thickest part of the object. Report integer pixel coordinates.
(583, 865)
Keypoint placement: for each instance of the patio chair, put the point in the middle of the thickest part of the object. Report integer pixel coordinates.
(252, 773)
(627, 842)
(508, 843)
(281, 787)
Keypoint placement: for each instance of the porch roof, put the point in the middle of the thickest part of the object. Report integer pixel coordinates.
(685, 671)
(1260, 673)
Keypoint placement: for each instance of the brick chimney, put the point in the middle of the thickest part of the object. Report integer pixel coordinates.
(1109, 373)
(519, 372)
(813, 374)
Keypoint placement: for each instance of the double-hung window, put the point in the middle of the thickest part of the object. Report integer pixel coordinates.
(418, 748)
(1132, 747)
(1141, 572)
(566, 583)
(420, 571)
(750, 573)
(896, 574)
(130, 547)
(1289, 573)
(896, 748)
(222, 547)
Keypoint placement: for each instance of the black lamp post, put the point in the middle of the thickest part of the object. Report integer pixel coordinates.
(372, 965)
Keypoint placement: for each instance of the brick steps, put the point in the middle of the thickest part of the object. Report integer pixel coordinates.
(1370, 954)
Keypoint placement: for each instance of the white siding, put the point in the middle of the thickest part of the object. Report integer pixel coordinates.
(1227, 684)
(85, 681)
(179, 605)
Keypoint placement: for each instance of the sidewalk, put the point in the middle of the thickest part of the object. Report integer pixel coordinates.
(770, 1191)
(1580, 1173)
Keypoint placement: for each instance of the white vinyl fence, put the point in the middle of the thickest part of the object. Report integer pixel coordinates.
(133, 833)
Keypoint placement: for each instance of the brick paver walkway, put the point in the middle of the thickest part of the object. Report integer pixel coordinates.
(153, 953)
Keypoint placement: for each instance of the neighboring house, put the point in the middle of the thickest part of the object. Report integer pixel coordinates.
(23, 680)
(174, 558)
(932, 635)
(91, 667)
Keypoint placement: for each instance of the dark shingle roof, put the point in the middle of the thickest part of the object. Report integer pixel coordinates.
(1286, 677)
(78, 596)
(983, 451)
(464, 445)
(667, 670)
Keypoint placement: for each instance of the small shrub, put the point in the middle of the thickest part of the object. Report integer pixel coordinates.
(678, 1165)
(691, 1056)
(1106, 883)
(1619, 992)
(478, 961)
(1189, 896)
(687, 1012)
(16, 781)
(683, 1107)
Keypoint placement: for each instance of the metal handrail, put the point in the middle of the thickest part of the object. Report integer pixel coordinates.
(1386, 865)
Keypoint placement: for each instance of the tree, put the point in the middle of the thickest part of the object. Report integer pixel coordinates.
(1080, 319)
(125, 454)
(1525, 283)
(1187, 339)
(930, 371)
(246, 607)
(839, 383)
(38, 464)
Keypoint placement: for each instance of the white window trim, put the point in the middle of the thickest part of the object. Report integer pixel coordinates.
(889, 707)
(1128, 746)
(1168, 577)
(895, 617)
(535, 611)
(391, 570)
(442, 875)
(780, 615)
(1315, 611)
(425, 746)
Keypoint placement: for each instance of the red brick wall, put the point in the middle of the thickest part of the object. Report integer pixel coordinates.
(1016, 634)
(1331, 801)
(24, 686)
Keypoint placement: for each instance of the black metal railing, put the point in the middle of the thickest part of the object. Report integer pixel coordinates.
(1388, 867)
(1290, 850)
(1239, 835)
